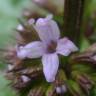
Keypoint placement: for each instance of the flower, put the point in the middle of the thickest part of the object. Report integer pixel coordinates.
(48, 48)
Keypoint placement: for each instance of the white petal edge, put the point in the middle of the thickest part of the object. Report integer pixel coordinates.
(50, 66)
(31, 50)
(47, 29)
(65, 47)
(21, 53)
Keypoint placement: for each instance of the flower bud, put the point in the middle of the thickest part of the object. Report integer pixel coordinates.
(25, 79)
(20, 28)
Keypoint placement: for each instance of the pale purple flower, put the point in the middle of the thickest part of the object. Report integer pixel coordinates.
(48, 48)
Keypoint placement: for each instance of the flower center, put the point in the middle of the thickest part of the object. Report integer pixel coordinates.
(52, 47)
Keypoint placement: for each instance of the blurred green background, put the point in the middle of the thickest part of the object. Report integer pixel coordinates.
(10, 10)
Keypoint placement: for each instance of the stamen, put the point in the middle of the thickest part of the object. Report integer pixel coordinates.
(52, 47)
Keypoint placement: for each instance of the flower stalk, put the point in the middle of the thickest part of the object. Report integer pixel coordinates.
(73, 13)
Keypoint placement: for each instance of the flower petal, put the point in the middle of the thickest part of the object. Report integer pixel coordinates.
(47, 29)
(31, 50)
(50, 66)
(65, 47)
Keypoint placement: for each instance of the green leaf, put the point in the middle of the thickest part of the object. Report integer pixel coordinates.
(93, 91)
(74, 88)
(50, 91)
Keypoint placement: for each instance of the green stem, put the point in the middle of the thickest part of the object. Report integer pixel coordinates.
(73, 13)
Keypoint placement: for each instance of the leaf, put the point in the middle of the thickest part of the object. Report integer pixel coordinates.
(74, 88)
(93, 91)
(50, 91)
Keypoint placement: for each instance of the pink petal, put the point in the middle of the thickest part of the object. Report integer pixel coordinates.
(65, 47)
(50, 66)
(31, 50)
(47, 29)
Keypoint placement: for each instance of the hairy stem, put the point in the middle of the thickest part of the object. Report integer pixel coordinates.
(73, 13)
